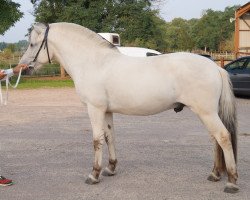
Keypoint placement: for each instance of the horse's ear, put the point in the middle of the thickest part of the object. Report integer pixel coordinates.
(39, 27)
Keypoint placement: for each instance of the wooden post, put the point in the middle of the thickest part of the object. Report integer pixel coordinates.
(222, 61)
(236, 37)
(62, 72)
(238, 13)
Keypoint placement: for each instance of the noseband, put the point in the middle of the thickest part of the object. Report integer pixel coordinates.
(45, 43)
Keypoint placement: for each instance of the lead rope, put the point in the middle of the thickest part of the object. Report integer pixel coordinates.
(1, 94)
(4, 101)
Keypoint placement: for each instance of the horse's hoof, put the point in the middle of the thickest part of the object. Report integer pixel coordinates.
(108, 172)
(212, 177)
(91, 180)
(231, 188)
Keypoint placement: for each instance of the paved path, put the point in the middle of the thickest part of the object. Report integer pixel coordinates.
(46, 148)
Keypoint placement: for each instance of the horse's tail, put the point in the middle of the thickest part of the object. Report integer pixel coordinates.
(227, 113)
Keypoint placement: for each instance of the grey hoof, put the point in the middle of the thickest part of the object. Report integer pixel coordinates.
(91, 180)
(212, 177)
(108, 172)
(231, 188)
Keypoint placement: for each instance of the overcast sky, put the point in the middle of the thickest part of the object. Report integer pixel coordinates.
(169, 9)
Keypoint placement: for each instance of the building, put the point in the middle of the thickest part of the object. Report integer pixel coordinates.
(242, 31)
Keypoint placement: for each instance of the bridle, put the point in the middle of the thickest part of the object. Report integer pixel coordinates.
(45, 43)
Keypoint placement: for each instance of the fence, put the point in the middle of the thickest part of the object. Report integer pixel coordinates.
(220, 58)
(220, 55)
(12, 60)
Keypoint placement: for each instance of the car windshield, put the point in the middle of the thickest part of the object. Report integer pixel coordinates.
(238, 64)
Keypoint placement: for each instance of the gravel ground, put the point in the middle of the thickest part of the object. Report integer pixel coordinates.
(46, 148)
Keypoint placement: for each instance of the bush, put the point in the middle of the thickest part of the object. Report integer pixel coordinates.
(48, 70)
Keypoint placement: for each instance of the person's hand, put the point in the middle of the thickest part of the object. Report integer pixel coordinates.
(2, 75)
(17, 69)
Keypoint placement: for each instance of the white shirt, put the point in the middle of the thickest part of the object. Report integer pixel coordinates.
(8, 72)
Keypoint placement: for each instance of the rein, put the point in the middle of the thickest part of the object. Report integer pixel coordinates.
(45, 43)
(3, 101)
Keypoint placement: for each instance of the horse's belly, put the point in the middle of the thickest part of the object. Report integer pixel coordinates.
(151, 93)
(140, 111)
(131, 105)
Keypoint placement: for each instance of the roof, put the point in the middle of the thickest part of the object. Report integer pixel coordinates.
(243, 9)
(243, 6)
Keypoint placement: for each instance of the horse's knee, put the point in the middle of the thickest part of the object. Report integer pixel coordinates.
(224, 140)
(97, 144)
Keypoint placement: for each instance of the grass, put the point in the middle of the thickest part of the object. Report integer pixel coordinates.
(33, 83)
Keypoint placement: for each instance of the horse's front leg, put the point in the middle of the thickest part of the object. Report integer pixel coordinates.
(110, 140)
(97, 118)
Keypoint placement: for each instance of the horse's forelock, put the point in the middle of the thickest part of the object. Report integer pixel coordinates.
(33, 36)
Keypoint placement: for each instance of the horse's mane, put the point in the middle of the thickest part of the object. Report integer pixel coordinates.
(87, 33)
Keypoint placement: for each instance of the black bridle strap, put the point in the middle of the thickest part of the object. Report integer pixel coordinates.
(45, 43)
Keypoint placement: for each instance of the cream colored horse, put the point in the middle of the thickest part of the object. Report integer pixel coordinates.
(109, 82)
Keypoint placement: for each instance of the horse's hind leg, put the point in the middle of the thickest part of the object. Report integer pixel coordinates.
(218, 131)
(110, 140)
(219, 165)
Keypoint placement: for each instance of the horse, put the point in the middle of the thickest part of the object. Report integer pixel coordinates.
(109, 82)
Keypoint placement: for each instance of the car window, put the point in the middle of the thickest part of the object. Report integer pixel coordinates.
(248, 65)
(237, 64)
(151, 54)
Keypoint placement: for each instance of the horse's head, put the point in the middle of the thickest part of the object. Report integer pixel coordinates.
(37, 53)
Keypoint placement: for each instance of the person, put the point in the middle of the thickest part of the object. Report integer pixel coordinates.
(3, 74)
(11, 72)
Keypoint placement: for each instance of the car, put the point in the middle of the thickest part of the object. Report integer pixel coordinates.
(114, 38)
(138, 51)
(239, 71)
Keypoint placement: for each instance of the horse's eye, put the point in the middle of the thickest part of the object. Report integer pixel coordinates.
(31, 45)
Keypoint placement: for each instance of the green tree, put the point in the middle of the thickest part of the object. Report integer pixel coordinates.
(9, 14)
(7, 54)
(214, 28)
(212, 31)
(134, 20)
(3, 45)
(178, 35)
(12, 48)
(228, 45)
(21, 45)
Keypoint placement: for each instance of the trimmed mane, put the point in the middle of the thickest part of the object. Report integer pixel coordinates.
(87, 33)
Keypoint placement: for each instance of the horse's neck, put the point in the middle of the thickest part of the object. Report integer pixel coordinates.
(75, 55)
